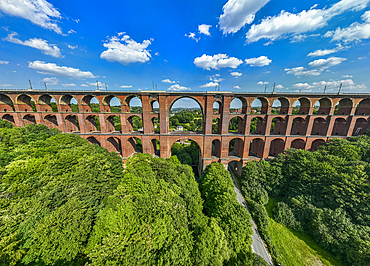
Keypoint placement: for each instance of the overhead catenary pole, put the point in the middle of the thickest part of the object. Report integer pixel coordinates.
(45, 86)
(340, 87)
(324, 89)
(153, 85)
(156, 87)
(30, 84)
(97, 84)
(106, 87)
(265, 88)
(273, 90)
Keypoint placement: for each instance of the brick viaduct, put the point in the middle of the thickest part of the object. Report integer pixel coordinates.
(306, 129)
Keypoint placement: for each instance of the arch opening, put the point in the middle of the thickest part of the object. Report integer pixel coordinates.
(216, 149)
(90, 104)
(280, 106)
(186, 114)
(93, 140)
(322, 107)
(340, 127)
(344, 107)
(316, 144)
(299, 126)
(276, 147)
(134, 145)
(155, 107)
(278, 126)
(135, 105)
(363, 108)
(156, 147)
(6, 104)
(236, 147)
(71, 123)
(9, 118)
(236, 125)
(238, 106)
(259, 106)
(256, 148)
(51, 121)
(92, 123)
(156, 125)
(301, 106)
(135, 124)
(113, 123)
(360, 127)
(26, 103)
(319, 127)
(114, 145)
(216, 126)
(217, 107)
(298, 144)
(29, 119)
(257, 126)
(46, 103)
(111, 104)
(187, 151)
(68, 103)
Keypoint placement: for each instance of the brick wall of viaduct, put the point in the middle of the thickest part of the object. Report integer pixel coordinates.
(304, 130)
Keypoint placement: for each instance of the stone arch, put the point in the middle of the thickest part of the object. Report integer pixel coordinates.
(113, 123)
(107, 103)
(257, 147)
(298, 144)
(132, 146)
(236, 147)
(190, 97)
(276, 147)
(156, 148)
(133, 126)
(199, 142)
(258, 125)
(68, 103)
(218, 108)
(216, 148)
(155, 106)
(363, 108)
(340, 127)
(216, 126)
(29, 119)
(325, 104)
(236, 123)
(6, 104)
(26, 103)
(236, 101)
(45, 103)
(360, 127)
(130, 104)
(91, 123)
(93, 140)
(51, 121)
(319, 127)
(263, 108)
(156, 125)
(9, 118)
(299, 126)
(283, 105)
(304, 106)
(316, 143)
(278, 126)
(88, 104)
(71, 123)
(114, 144)
(345, 106)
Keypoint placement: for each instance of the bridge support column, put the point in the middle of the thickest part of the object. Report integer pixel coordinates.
(61, 124)
(145, 100)
(165, 150)
(330, 125)
(103, 123)
(82, 122)
(225, 115)
(247, 128)
(309, 125)
(208, 115)
(266, 149)
(247, 144)
(351, 126)
(18, 120)
(163, 115)
(268, 125)
(289, 124)
(207, 147)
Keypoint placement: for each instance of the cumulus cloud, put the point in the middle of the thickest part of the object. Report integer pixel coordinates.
(262, 82)
(355, 32)
(51, 81)
(204, 29)
(258, 61)
(237, 87)
(217, 61)
(168, 81)
(37, 43)
(287, 24)
(209, 85)
(317, 67)
(327, 51)
(236, 74)
(347, 84)
(4, 62)
(125, 50)
(72, 47)
(191, 35)
(39, 12)
(5, 85)
(347, 76)
(177, 87)
(216, 78)
(53, 69)
(302, 86)
(125, 86)
(237, 13)
(68, 85)
(279, 86)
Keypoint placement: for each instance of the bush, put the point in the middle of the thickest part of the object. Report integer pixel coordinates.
(284, 215)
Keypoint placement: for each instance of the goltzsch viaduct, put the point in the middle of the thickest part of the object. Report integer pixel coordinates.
(319, 118)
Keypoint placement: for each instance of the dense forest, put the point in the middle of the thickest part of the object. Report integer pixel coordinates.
(64, 201)
(324, 194)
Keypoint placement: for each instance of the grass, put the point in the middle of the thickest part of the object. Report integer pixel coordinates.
(294, 248)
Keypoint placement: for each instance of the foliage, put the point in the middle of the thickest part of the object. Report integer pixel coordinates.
(283, 214)
(187, 154)
(220, 202)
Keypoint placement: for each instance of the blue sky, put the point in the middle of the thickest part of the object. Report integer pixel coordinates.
(186, 45)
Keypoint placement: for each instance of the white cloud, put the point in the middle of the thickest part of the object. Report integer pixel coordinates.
(40, 44)
(71, 31)
(69, 85)
(177, 87)
(302, 86)
(317, 67)
(237, 87)
(326, 63)
(191, 35)
(286, 24)
(355, 32)
(347, 76)
(236, 74)
(204, 29)
(6, 85)
(51, 81)
(217, 61)
(258, 61)
(84, 85)
(53, 69)
(298, 38)
(39, 12)
(237, 13)
(262, 82)
(125, 86)
(72, 47)
(347, 84)
(4, 62)
(125, 50)
(279, 86)
(168, 81)
(209, 85)
(327, 51)
(216, 78)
